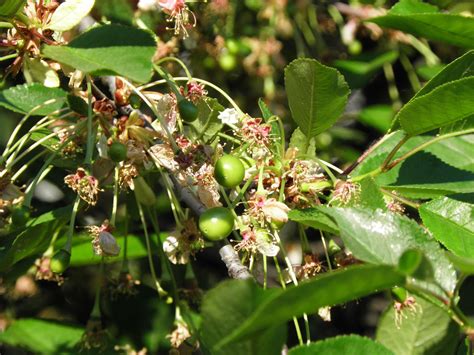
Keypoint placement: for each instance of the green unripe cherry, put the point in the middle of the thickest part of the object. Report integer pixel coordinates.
(117, 152)
(216, 223)
(60, 261)
(187, 110)
(229, 171)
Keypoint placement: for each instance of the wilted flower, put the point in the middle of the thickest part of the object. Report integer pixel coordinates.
(207, 186)
(183, 243)
(409, 305)
(344, 192)
(43, 271)
(258, 240)
(229, 116)
(325, 313)
(179, 14)
(195, 91)
(103, 241)
(86, 186)
(123, 285)
(179, 335)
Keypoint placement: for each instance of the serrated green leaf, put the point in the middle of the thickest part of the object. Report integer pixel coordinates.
(369, 196)
(69, 14)
(225, 307)
(455, 151)
(411, 177)
(462, 67)
(425, 329)
(452, 223)
(313, 217)
(28, 98)
(420, 19)
(317, 95)
(207, 125)
(345, 344)
(446, 104)
(42, 336)
(328, 289)
(379, 237)
(109, 50)
(33, 240)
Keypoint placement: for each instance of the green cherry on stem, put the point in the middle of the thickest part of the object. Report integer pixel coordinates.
(187, 110)
(117, 152)
(216, 223)
(60, 261)
(229, 171)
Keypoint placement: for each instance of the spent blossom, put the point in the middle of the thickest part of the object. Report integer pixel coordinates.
(178, 13)
(86, 186)
(103, 241)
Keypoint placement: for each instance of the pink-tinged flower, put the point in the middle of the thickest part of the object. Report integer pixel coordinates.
(85, 185)
(172, 6)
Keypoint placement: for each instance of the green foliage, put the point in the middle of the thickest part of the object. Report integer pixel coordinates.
(326, 290)
(223, 311)
(315, 218)
(451, 222)
(422, 329)
(421, 19)
(444, 105)
(317, 95)
(108, 50)
(346, 344)
(9, 8)
(36, 99)
(207, 124)
(42, 336)
(379, 237)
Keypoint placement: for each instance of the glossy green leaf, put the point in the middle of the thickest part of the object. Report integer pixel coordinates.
(207, 125)
(379, 237)
(317, 95)
(421, 19)
(425, 329)
(42, 336)
(69, 14)
(33, 240)
(410, 178)
(446, 104)
(225, 308)
(455, 151)
(109, 50)
(313, 217)
(465, 265)
(369, 196)
(345, 344)
(32, 98)
(452, 223)
(328, 289)
(462, 67)
(9, 8)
